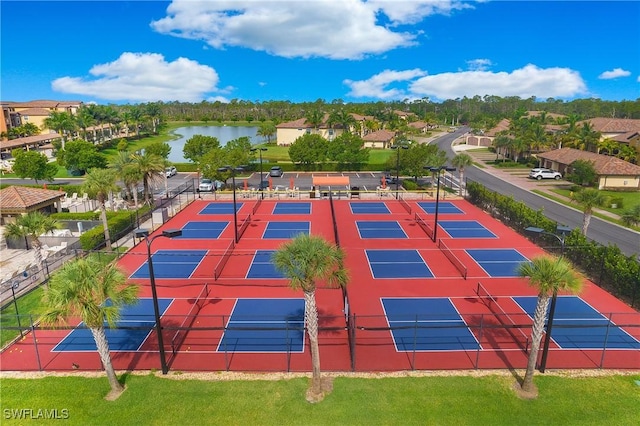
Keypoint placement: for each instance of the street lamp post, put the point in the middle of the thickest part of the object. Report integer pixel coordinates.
(397, 148)
(144, 233)
(437, 170)
(261, 178)
(233, 171)
(560, 235)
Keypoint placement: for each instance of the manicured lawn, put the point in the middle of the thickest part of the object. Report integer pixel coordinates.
(27, 305)
(460, 400)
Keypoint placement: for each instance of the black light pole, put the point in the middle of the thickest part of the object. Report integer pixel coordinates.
(14, 287)
(261, 179)
(562, 231)
(144, 233)
(397, 148)
(233, 171)
(437, 170)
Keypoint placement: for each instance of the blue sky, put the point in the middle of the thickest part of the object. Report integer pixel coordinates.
(304, 50)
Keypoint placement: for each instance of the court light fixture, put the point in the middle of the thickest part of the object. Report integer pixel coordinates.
(167, 233)
(260, 150)
(436, 171)
(560, 235)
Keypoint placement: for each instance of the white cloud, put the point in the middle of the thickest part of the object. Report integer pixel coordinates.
(378, 85)
(346, 29)
(479, 64)
(143, 77)
(614, 73)
(524, 82)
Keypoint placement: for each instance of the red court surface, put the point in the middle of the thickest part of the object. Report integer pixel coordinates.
(355, 331)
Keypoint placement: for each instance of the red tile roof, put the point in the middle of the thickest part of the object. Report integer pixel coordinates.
(612, 125)
(379, 136)
(21, 198)
(603, 164)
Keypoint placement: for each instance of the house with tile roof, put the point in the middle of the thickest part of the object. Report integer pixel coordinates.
(16, 114)
(613, 173)
(380, 139)
(20, 200)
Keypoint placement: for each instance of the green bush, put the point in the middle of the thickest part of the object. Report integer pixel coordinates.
(409, 185)
(617, 201)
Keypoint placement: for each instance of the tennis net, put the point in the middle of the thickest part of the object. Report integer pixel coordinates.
(181, 334)
(404, 204)
(453, 258)
(333, 219)
(512, 328)
(244, 225)
(223, 260)
(426, 228)
(256, 206)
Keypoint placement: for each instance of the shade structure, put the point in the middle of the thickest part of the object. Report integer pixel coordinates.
(331, 181)
(291, 183)
(383, 181)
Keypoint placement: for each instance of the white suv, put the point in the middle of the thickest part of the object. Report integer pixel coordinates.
(539, 173)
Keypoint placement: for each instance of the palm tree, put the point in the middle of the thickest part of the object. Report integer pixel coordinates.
(305, 260)
(82, 289)
(100, 183)
(61, 122)
(461, 161)
(548, 275)
(126, 170)
(588, 198)
(31, 226)
(150, 167)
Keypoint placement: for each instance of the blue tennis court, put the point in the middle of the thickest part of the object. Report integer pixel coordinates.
(397, 264)
(262, 267)
(427, 324)
(368, 208)
(444, 207)
(220, 208)
(139, 320)
(465, 229)
(498, 262)
(292, 208)
(285, 230)
(380, 229)
(203, 230)
(576, 325)
(171, 264)
(265, 325)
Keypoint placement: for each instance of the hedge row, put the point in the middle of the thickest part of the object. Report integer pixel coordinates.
(606, 266)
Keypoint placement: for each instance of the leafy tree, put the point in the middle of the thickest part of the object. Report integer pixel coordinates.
(461, 161)
(198, 145)
(32, 164)
(418, 156)
(588, 199)
(348, 151)
(548, 275)
(82, 156)
(583, 173)
(305, 260)
(96, 293)
(31, 226)
(100, 183)
(161, 149)
(309, 149)
(267, 130)
(237, 151)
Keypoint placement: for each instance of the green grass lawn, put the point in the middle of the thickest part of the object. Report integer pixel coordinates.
(458, 400)
(27, 305)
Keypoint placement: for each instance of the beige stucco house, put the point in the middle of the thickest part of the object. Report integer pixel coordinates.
(613, 173)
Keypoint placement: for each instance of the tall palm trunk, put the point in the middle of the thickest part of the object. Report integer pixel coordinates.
(37, 255)
(536, 336)
(311, 317)
(103, 350)
(586, 219)
(105, 223)
(461, 184)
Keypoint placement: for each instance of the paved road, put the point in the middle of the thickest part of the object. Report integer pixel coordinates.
(599, 230)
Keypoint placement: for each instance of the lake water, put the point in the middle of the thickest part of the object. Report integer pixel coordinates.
(223, 133)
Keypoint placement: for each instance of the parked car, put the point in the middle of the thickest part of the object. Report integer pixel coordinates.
(541, 173)
(206, 185)
(170, 171)
(276, 171)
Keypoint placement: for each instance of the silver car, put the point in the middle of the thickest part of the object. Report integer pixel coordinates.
(540, 173)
